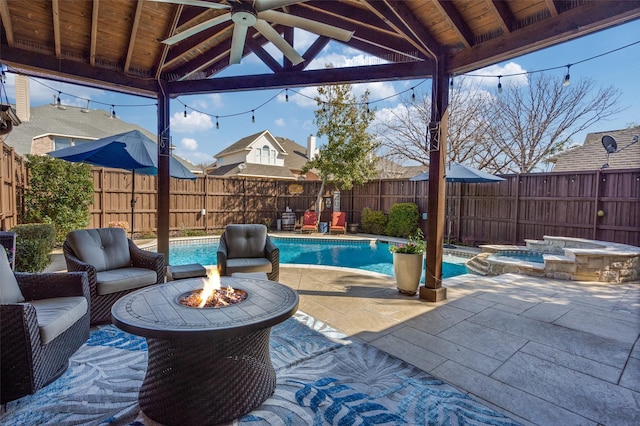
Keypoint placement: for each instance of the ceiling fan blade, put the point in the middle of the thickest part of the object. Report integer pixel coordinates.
(237, 43)
(197, 28)
(272, 35)
(198, 3)
(306, 24)
(261, 5)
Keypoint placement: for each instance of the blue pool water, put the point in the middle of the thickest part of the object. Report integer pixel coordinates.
(369, 256)
(527, 256)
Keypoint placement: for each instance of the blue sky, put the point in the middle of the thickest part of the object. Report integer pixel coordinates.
(197, 139)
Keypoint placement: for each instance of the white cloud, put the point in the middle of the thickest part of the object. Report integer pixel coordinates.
(189, 144)
(192, 123)
(305, 98)
(194, 157)
(280, 122)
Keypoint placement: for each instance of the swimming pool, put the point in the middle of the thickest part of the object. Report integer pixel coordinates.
(520, 255)
(367, 255)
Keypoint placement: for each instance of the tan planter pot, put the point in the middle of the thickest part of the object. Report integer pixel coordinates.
(408, 269)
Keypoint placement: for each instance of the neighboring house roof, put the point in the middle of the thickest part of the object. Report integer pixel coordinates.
(74, 123)
(592, 155)
(293, 155)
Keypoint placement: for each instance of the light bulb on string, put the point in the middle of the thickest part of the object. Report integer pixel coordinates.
(58, 99)
(567, 78)
(499, 84)
(286, 95)
(368, 112)
(253, 117)
(413, 95)
(451, 83)
(217, 123)
(113, 112)
(185, 111)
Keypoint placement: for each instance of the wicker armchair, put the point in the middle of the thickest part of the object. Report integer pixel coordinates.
(44, 319)
(116, 266)
(248, 248)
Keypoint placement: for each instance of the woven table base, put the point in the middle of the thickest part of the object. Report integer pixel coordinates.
(205, 382)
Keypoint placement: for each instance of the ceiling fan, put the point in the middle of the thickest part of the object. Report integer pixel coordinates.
(257, 14)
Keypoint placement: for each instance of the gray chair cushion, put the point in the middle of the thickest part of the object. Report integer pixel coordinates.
(57, 314)
(245, 240)
(122, 279)
(248, 264)
(104, 248)
(9, 289)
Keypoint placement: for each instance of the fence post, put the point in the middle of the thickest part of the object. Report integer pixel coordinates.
(596, 200)
(516, 212)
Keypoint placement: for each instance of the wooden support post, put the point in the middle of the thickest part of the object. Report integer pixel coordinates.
(436, 145)
(163, 175)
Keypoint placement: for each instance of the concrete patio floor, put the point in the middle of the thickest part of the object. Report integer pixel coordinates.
(544, 352)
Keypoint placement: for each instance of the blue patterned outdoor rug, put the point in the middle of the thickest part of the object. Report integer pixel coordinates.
(323, 378)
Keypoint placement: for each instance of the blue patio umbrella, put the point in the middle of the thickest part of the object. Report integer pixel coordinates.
(128, 151)
(456, 172)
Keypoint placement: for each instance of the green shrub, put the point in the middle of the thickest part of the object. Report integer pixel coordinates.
(403, 220)
(373, 221)
(59, 193)
(34, 243)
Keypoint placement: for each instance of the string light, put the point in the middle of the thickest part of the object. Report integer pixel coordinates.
(567, 78)
(185, 111)
(413, 95)
(565, 83)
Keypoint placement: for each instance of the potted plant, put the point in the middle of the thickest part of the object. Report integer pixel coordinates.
(408, 262)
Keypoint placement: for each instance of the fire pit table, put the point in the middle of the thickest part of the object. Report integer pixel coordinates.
(206, 365)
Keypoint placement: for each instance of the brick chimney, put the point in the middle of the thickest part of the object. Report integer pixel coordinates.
(23, 104)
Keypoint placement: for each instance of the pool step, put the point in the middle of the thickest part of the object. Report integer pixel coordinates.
(478, 264)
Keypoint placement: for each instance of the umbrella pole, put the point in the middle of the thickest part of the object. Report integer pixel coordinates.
(133, 202)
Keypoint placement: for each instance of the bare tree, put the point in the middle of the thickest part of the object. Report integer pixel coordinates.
(512, 131)
(533, 122)
(403, 129)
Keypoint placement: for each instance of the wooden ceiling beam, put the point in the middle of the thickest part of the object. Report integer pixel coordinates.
(69, 71)
(505, 17)
(263, 55)
(6, 22)
(55, 10)
(553, 9)
(94, 32)
(574, 23)
(288, 79)
(134, 35)
(165, 48)
(398, 17)
(313, 51)
(449, 11)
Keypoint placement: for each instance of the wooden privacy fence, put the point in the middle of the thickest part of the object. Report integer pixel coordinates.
(521, 207)
(13, 181)
(525, 206)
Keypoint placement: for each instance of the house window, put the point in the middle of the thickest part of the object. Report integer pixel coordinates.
(272, 157)
(265, 155)
(59, 143)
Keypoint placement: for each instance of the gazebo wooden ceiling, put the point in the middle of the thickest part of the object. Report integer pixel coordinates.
(118, 45)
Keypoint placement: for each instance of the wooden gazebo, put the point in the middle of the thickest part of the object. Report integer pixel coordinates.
(166, 48)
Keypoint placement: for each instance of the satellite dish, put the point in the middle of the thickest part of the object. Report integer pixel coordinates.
(609, 144)
(241, 166)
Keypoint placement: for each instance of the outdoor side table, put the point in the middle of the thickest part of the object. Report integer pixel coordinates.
(208, 365)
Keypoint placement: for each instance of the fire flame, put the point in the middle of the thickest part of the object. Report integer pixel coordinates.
(211, 285)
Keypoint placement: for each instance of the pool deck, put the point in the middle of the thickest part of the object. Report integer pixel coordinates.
(542, 351)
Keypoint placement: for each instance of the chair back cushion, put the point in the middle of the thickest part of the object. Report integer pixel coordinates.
(245, 240)
(310, 218)
(338, 219)
(9, 289)
(104, 248)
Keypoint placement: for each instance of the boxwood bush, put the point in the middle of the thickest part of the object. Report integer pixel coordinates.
(403, 220)
(34, 243)
(373, 221)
